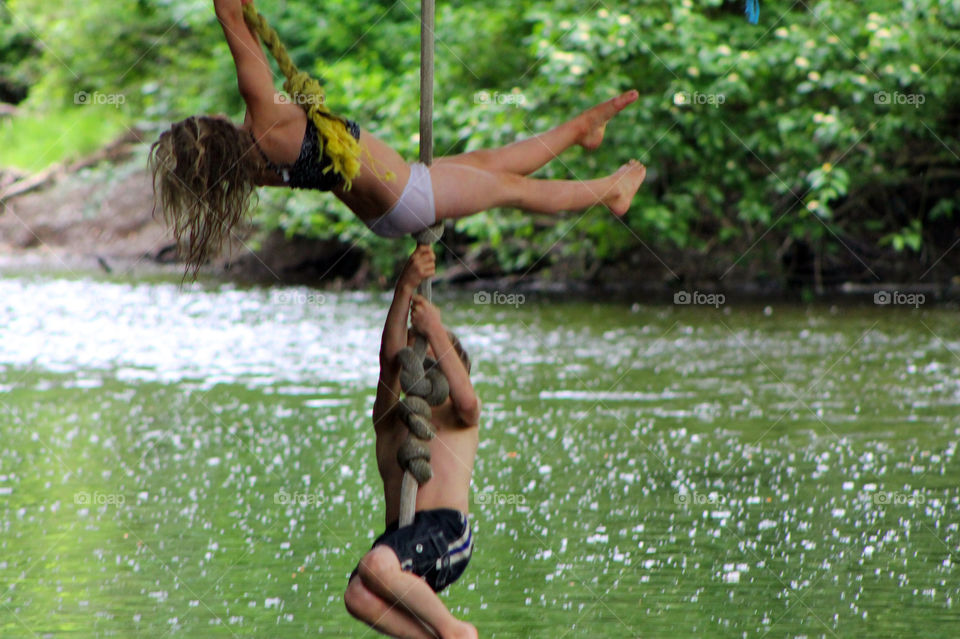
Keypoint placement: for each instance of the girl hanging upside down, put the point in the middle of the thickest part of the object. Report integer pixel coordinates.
(205, 169)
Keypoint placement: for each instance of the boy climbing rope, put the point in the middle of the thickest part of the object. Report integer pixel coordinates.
(394, 586)
(205, 169)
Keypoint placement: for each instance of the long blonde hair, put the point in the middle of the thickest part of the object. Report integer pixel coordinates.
(204, 173)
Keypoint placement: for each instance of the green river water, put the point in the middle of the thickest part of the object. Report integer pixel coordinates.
(199, 463)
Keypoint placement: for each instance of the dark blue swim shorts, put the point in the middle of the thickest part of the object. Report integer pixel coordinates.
(436, 546)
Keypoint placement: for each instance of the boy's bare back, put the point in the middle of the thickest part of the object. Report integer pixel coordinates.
(455, 421)
(452, 453)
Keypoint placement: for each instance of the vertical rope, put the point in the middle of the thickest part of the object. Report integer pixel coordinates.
(409, 485)
(427, 24)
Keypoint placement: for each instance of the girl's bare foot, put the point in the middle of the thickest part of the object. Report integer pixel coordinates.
(626, 181)
(594, 121)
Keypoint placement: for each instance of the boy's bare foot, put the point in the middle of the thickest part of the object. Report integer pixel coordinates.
(463, 631)
(594, 121)
(626, 181)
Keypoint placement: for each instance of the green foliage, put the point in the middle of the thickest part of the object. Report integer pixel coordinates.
(17, 50)
(909, 237)
(828, 120)
(30, 143)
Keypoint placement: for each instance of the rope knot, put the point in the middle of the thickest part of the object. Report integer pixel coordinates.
(414, 456)
(421, 376)
(425, 385)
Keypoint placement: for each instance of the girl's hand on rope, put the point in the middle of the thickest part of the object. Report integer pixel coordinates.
(424, 317)
(421, 265)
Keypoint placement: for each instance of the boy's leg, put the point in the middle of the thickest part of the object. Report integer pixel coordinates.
(526, 156)
(391, 620)
(381, 574)
(460, 190)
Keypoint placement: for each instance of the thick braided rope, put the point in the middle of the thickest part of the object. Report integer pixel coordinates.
(424, 385)
(335, 140)
(414, 456)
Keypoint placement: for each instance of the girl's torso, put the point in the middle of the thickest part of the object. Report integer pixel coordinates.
(281, 138)
(310, 168)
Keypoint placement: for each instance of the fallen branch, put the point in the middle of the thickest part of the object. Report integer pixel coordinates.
(8, 177)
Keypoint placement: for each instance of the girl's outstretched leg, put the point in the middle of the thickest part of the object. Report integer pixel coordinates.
(460, 190)
(526, 156)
